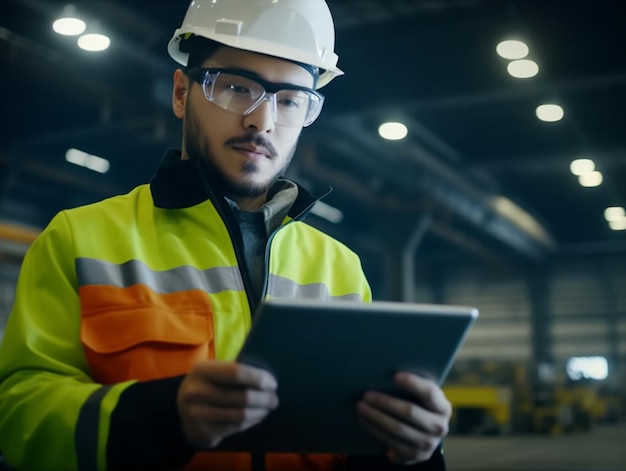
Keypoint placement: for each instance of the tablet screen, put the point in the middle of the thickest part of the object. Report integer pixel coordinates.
(325, 355)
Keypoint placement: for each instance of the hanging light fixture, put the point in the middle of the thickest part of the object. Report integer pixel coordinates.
(68, 23)
(95, 40)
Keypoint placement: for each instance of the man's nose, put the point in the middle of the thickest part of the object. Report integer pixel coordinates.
(262, 116)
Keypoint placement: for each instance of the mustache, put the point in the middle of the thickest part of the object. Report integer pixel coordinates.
(256, 139)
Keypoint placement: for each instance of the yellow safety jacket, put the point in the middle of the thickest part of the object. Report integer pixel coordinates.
(116, 300)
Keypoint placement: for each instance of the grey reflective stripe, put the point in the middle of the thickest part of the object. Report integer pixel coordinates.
(280, 287)
(86, 433)
(98, 272)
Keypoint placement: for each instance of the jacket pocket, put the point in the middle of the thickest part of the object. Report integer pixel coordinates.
(145, 342)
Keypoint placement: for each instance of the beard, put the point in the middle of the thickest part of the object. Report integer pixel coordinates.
(200, 149)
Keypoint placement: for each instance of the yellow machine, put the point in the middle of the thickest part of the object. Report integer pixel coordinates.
(504, 397)
(483, 397)
(480, 409)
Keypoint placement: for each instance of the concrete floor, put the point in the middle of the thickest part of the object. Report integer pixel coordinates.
(601, 449)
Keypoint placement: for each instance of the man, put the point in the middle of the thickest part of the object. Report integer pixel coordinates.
(119, 352)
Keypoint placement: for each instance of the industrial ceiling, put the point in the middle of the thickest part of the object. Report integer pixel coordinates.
(478, 173)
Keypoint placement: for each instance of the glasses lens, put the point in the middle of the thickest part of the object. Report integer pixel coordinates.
(233, 92)
(294, 107)
(242, 95)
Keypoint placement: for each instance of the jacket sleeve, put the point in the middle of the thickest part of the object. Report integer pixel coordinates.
(53, 416)
(43, 375)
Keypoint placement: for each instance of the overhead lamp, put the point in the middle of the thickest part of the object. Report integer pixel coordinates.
(614, 213)
(328, 212)
(616, 217)
(618, 225)
(83, 159)
(523, 68)
(581, 166)
(512, 49)
(392, 131)
(590, 179)
(94, 42)
(549, 112)
(68, 23)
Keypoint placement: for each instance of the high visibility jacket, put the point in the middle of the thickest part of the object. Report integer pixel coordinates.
(116, 300)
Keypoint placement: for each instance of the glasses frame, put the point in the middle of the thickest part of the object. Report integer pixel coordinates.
(206, 77)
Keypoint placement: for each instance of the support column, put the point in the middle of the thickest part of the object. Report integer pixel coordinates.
(401, 243)
(612, 320)
(541, 340)
(409, 285)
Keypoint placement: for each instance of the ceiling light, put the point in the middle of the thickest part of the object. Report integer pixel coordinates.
(512, 49)
(590, 179)
(614, 213)
(618, 225)
(68, 24)
(524, 68)
(94, 42)
(328, 212)
(549, 113)
(83, 159)
(393, 131)
(581, 166)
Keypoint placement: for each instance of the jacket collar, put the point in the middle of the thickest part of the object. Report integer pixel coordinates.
(177, 184)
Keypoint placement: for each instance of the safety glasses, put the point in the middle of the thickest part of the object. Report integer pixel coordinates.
(241, 92)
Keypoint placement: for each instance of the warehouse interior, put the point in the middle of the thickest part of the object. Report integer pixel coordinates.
(482, 202)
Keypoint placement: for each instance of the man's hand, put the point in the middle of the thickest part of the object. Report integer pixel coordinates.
(411, 430)
(217, 399)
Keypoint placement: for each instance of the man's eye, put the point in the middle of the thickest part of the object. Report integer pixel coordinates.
(291, 99)
(290, 103)
(239, 89)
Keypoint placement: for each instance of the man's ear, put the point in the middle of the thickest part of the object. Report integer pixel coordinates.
(179, 93)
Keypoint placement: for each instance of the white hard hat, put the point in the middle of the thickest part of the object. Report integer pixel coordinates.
(296, 30)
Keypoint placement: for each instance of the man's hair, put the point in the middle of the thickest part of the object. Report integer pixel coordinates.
(200, 49)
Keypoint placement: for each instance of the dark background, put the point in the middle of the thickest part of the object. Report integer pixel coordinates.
(474, 144)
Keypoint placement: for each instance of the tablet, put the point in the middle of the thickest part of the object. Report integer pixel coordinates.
(325, 355)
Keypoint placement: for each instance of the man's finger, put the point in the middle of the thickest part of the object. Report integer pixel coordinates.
(235, 374)
(401, 452)
(409, 413)
(390, 426)
(219, 396)
(426, 391)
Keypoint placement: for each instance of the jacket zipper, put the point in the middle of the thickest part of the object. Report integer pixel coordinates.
(300, 216)
(233, 229)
